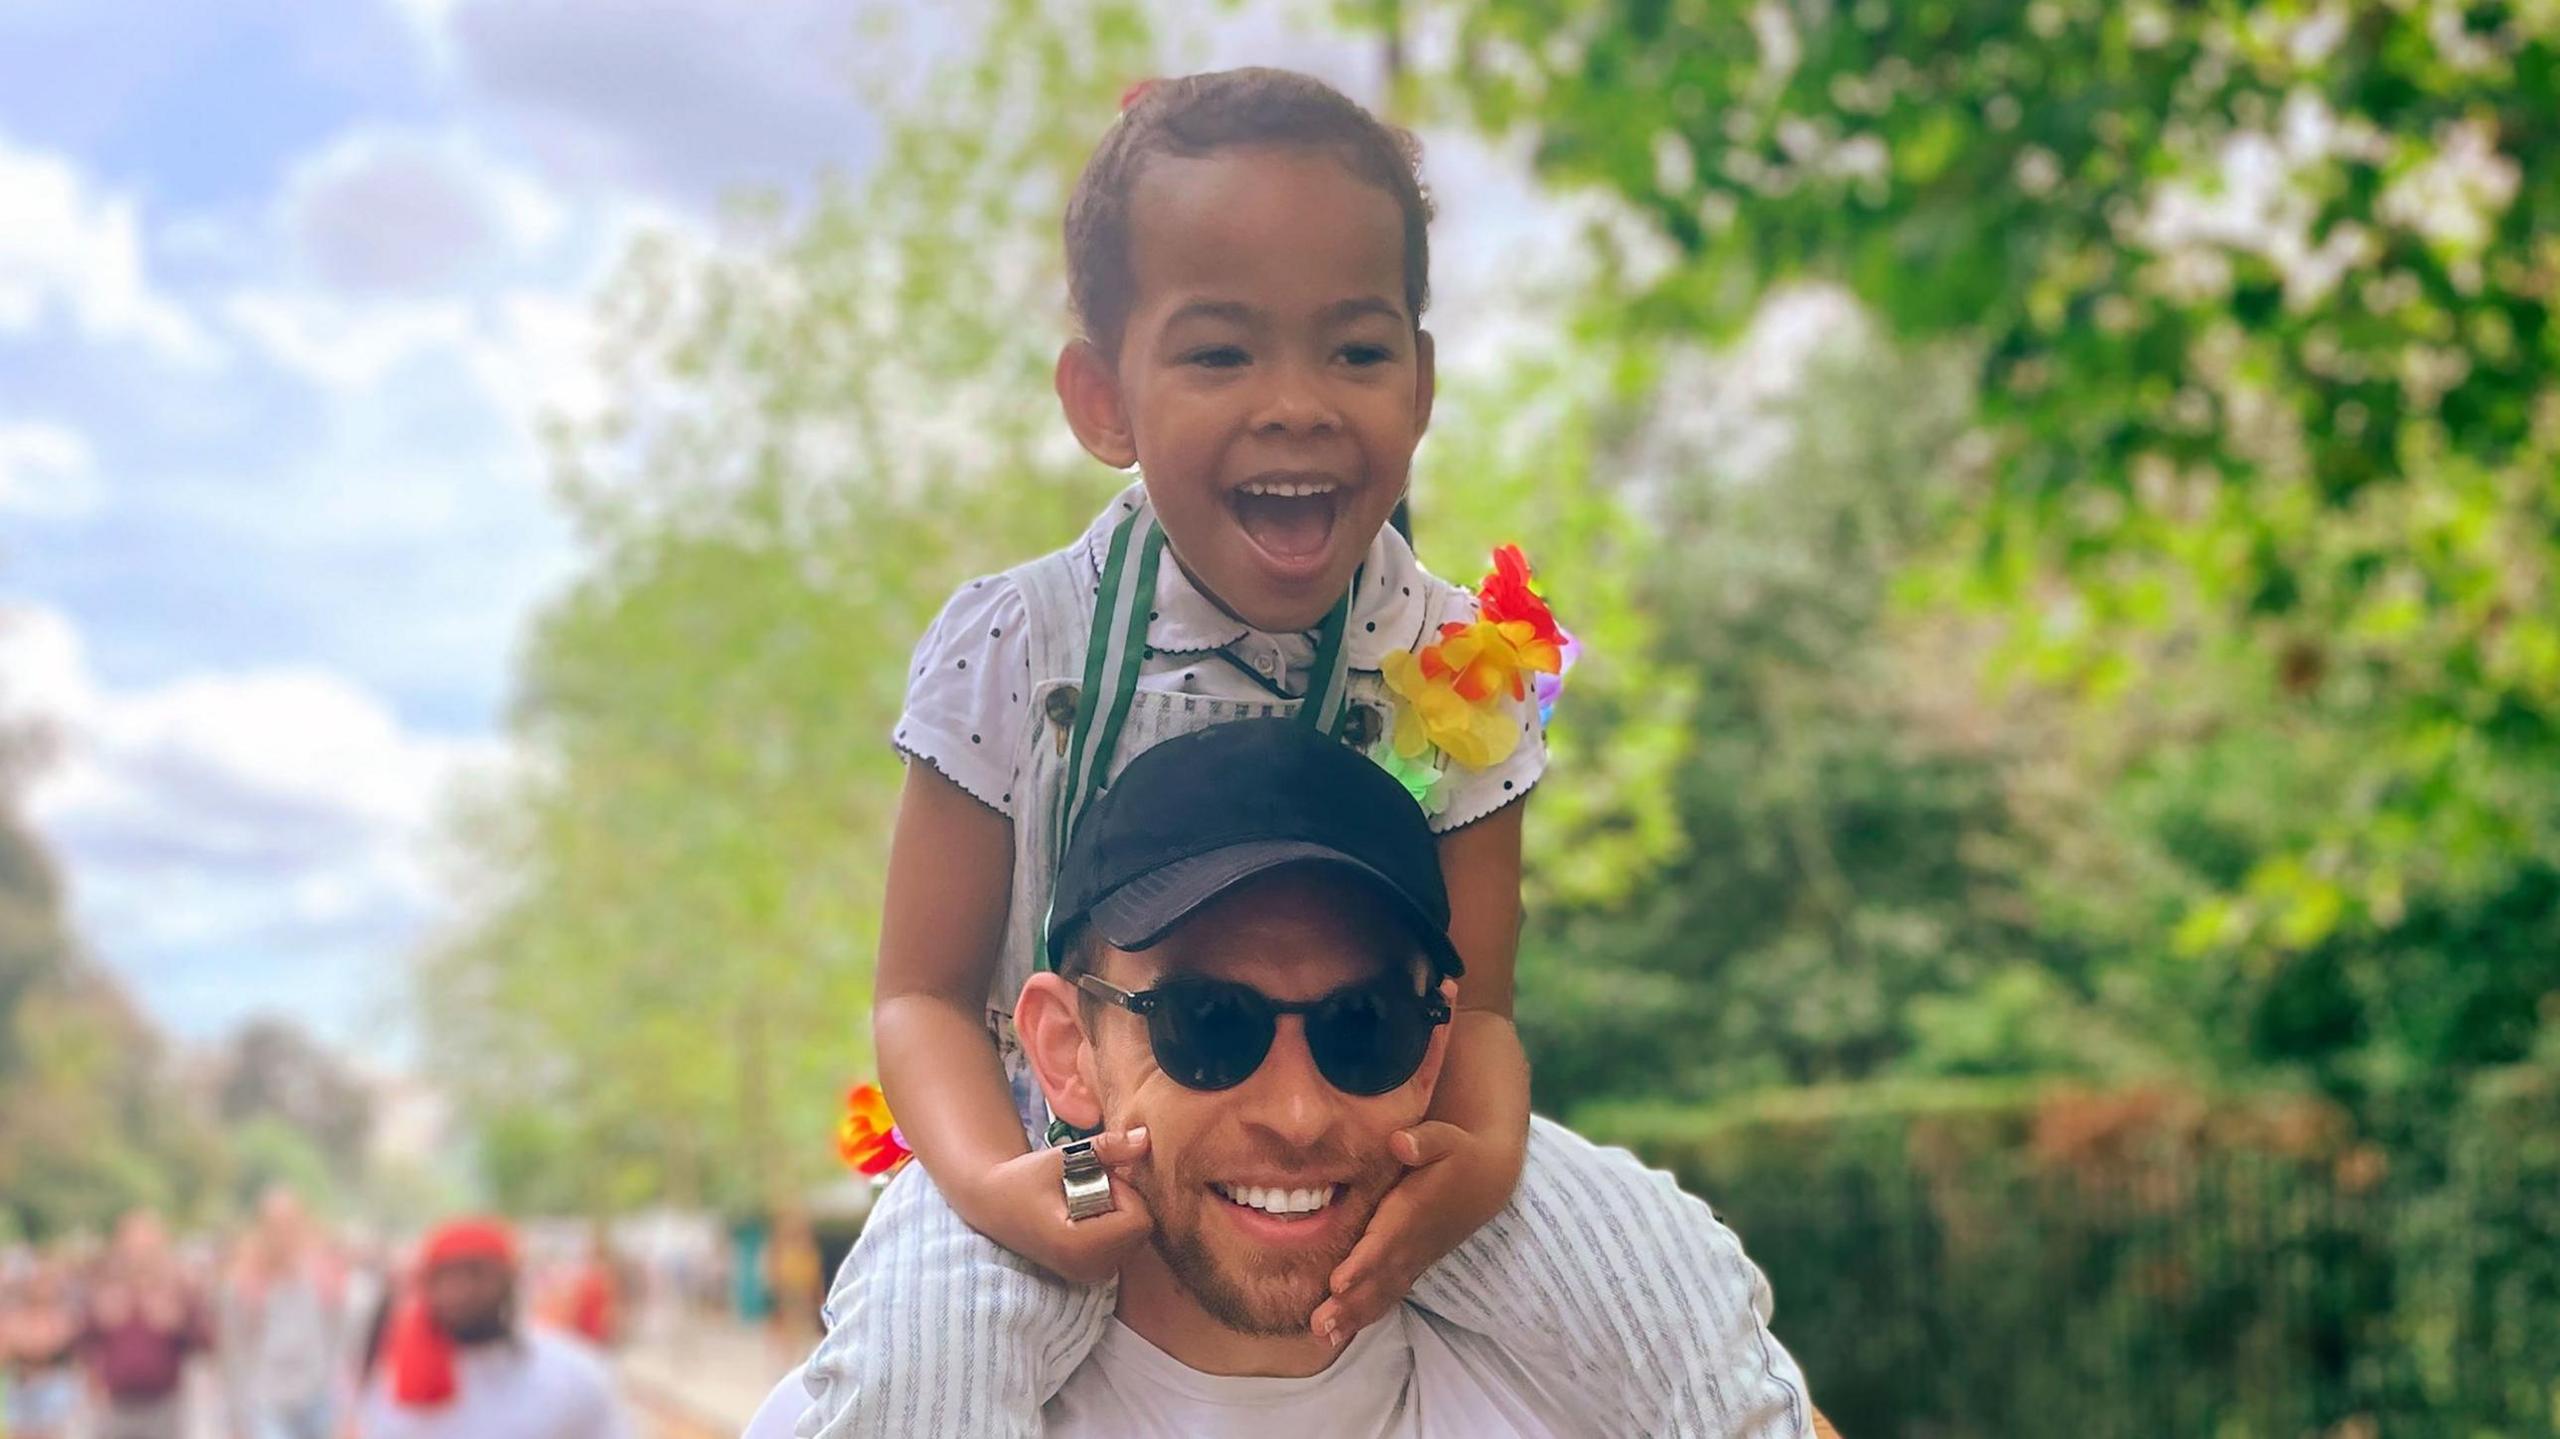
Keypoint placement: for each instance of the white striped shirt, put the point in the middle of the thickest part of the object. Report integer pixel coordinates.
(1624, 1296)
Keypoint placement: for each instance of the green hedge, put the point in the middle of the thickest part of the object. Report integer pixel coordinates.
(1967, 1259)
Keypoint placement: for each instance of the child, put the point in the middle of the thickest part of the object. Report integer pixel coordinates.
(1248, 263)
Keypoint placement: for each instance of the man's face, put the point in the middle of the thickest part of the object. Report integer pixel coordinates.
(141, 1241)
(1285, 1131)
(473, 1300)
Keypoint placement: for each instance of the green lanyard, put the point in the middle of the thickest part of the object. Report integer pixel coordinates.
(1117, 650)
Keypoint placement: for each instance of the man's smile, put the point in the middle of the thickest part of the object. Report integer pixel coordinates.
(1273, 1199)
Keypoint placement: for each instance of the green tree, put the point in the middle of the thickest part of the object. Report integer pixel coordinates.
(273, 1072)
(2255, 305)
(821, 427)
(91, 1120)
(35, 942)
(1846, 894)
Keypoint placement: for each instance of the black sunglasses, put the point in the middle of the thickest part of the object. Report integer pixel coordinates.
(1214, 1033)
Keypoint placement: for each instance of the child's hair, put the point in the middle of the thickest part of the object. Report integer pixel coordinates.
(1198, 114)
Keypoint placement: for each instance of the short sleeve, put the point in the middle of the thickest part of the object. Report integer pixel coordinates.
(1468, 795)
(968, 688)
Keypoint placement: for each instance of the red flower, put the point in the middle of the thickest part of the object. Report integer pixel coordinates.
(1510, 596)
(866, 1138)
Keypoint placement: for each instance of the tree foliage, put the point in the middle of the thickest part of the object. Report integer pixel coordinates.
(91, 1120)
(272, 1071)
(821, 426)
(2255, 304)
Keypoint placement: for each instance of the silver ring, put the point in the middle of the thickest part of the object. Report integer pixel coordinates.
(1088, 1186)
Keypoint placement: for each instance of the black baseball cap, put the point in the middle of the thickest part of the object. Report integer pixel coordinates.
(1197, 815)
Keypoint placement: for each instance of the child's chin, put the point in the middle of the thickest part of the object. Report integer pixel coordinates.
(1278, 598)
(1275, 609)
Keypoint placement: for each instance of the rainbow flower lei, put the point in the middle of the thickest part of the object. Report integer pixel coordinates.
(1449, 698)
(867, 1139)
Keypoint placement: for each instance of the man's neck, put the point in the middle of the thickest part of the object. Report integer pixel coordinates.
(1155, 1305)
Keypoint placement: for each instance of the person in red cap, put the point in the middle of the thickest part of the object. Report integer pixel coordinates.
(457, 1364)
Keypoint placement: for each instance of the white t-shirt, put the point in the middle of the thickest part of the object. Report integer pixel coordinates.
(540, 1386)
(1409, 1376)
(970, 682)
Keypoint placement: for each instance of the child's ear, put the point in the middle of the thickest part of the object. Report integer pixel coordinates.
(1089, 391)
(1426, 380)
(1047, 1022)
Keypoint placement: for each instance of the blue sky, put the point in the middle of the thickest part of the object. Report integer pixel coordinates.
(284, 288)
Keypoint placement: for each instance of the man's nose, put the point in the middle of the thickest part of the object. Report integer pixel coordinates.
(1288, 1096)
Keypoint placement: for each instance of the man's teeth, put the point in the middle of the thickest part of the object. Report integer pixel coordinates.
(1288, 491)
(1279, 1201)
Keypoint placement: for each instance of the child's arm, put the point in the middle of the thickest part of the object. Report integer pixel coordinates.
(941, 930)
(1466, 1156)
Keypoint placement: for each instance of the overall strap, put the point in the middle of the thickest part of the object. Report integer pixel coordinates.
(1116, 652)
(1113, 656)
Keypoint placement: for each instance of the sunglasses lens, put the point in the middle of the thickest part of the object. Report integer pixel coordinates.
(1210, 1035)
(1368, 1041)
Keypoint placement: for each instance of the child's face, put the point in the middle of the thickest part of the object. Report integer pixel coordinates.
(1271, 381)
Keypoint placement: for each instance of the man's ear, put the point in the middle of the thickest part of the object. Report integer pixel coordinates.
(1089, 391)
(1048, 1022)
(1426, 380)
(1428, 1076)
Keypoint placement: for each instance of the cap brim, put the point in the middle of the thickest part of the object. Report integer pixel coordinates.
(1142, 912)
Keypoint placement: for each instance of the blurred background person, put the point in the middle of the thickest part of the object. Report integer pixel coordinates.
(591, 1301)
(458, 1363)
(144, 1322)
(284, 1318)
(39, 1351)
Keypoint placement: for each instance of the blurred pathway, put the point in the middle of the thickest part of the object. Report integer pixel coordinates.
(696, 1376)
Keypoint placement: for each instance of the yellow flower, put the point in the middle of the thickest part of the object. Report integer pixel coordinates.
(1431, 711)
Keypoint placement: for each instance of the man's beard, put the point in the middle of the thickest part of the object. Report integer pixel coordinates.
(1267, 1294)
(480, 1329)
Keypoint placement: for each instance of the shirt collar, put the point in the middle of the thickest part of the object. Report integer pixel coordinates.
(1390, 613)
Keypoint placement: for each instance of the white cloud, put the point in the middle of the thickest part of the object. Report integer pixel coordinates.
(530, 351)
(340, 344)
(44, 679)
(394, 210)
(65, 247)
(688, 97)
(538, 357)
(46, 471)
(282, 814)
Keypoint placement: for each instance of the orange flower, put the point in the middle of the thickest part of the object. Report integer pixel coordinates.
(1488, 657)
(867, 1139)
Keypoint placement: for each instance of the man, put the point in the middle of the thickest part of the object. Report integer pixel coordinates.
(457, 1365)
(282, 1322)
(144, 1323)
(1261, 987)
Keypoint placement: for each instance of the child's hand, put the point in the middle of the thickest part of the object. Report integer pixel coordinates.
(1023, 1202)
(1454, 1183)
